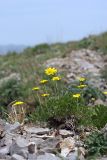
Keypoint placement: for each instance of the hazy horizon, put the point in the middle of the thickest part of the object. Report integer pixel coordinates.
(31, 22)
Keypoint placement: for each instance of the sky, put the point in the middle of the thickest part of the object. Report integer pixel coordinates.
(31, 22)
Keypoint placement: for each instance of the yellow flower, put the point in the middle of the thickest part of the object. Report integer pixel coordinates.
(82, 79)
(93, 99)
(105, 92)
(43, 81)
(45, 95)
(35, 88)
(82, 86)
(76, 95)
(56, 78)
(18, 103)
(50, 71)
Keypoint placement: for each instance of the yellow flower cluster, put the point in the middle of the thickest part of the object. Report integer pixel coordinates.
(50, 71)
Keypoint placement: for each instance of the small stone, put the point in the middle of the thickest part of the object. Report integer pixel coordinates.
(32, 157)
(37, 141)
(23, 153)
(12, 127)
(4, 150)
(21, 142)
(17, 146)
(73, 156)
(48, 156)
(1, 131)
(17, 157)
(32, 148)
(99, 102)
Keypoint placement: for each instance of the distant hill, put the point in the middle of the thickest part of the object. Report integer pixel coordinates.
(11, 48)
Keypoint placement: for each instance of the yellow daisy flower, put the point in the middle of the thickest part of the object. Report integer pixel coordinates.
(76, 95)
(56, 78)
(50, 71)
(82, 86)
(82, 79)
(43, 81)
(45, 95)
(93, 99)
(35, 88)
(105, 92)
(18, 103)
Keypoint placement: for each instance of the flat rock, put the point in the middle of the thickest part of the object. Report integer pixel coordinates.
(17, 157)
(65, 133)
(39, 131)
(49, 144)
(37, 141)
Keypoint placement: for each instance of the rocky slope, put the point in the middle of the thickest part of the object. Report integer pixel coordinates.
(80, 63)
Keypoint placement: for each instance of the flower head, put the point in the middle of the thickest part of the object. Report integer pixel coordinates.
(105, 92)
(35, 88)
(56, 78)
(43, 81)
(45, 95)
(82, 86)
(93, 99)
(50, 71)
(76, 95)
(18, 103)
(82, 79)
